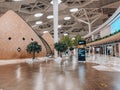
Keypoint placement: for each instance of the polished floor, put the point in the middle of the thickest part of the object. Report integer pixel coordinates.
(52, 76)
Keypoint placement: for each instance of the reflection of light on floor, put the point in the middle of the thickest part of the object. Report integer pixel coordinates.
(18, 73)
(74, 65)
(39, 80)
(81, 72)
(106, 68)
(69, 84)
(60, 79)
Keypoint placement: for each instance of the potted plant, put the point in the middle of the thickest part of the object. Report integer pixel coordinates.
(60, 47)
(33, 48)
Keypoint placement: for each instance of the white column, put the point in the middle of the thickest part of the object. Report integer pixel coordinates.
(89, 27)
(55, 13)
(92, 37)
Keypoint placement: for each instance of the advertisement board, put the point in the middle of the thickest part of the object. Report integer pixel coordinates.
(81, 50)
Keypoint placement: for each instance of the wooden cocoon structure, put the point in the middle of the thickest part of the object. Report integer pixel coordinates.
(48, 38)
(15, 35)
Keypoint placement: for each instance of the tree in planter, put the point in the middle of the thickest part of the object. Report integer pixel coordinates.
(33, 48)
(60, 47)
(77, 38)
(67, 40)
(71, 48)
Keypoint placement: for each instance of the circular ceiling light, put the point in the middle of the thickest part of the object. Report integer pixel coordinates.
(17, 0)
(59, 26)
(45, 32)
(50, 17)
(38, 22)
(65, 34)
(67, 18)
(38, 14)
(74, 10)
(59, 1)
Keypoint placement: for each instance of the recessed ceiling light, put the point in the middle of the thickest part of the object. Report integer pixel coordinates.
(74, 10)
(59, 26)
(65, 34)
(59, 1)
(17, 0)
(67, 18)
(50, 17)
(38, 14)
(38, 22)
(45, 32)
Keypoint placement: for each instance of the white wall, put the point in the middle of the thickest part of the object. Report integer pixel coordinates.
(106, 31)
(119, 49)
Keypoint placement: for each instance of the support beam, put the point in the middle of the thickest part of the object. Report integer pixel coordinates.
(89, 27)
(55, 13)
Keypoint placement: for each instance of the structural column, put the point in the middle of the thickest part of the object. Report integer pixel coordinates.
(55, 13)
(89, 26)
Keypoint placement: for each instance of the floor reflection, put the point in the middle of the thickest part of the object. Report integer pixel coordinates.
(18, 73)
(52, 76)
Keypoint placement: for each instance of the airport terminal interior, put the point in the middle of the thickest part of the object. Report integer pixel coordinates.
(59, 44)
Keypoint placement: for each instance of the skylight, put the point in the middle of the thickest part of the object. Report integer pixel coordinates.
(74, 10)
(38, 14)
(67, 18)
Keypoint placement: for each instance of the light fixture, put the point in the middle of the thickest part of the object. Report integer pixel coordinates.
(59, 1)
(38, 22)
(74, 10)
(65, 34)
(67, 18)
(59, 26)
(73, 38)
(17, 0)
(50, 17)
(45, 32)
(38, 14)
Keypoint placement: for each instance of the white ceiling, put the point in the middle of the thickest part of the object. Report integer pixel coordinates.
(95, 12)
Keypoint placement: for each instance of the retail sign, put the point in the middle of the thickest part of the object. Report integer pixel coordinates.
(81, 50)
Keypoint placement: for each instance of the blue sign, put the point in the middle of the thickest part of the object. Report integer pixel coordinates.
(81, 42)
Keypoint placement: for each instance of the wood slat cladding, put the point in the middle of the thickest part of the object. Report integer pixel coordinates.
(14, 34)
(110, 39)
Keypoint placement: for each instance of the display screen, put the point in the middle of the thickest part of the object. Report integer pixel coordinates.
(81, 42)
(115, 26)
(81, 54)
